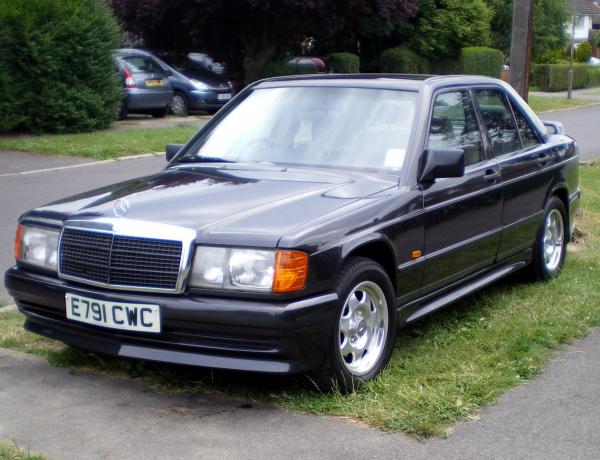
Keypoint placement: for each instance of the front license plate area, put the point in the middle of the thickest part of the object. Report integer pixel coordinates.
(224, 97)
(113, 314)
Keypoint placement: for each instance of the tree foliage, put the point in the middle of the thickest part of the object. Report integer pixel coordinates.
(56, 69)
(446, 26)
(247, 32)
(583, 52)
(549, 20)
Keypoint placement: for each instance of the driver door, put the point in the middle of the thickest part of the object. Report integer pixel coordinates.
(462, 214)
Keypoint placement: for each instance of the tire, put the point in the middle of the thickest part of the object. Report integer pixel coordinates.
(551, 242)
(123, 112)
(363, 335)
(179, 105)
(160, 113)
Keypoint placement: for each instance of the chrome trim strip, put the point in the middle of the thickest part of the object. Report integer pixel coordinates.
(140, 229)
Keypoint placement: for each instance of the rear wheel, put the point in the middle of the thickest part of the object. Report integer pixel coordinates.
(179, 105)
(364, 329)
(551, 242)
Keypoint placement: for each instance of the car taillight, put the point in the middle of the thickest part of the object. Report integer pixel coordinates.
(18, 242)
(129, 83)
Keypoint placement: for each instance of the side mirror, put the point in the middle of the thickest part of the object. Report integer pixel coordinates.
(554, 127)
(442, 163)
(171, 150)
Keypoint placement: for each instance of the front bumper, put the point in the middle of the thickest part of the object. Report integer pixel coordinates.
(222, 333)
(207, 99)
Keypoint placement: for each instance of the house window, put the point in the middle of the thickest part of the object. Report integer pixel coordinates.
(580, 21)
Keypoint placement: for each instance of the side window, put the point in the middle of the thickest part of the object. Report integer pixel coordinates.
(453, 126)
(499, 122)
(528, 136)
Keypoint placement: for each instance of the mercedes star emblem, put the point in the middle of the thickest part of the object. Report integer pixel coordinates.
(120, 207)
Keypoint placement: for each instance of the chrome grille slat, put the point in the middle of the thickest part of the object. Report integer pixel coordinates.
(117, 260)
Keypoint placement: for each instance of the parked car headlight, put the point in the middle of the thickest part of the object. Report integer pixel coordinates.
(199, 85)
(249, 269)
(37, 246)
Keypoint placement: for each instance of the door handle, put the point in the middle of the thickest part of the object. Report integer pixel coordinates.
(491, 174)
(542, 159)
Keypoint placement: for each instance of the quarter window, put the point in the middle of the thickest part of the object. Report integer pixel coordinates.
(499, 122)
(453, 126)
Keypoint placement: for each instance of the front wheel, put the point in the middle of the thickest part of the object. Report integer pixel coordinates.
(364, 329)
(551, 242)
(179, 105)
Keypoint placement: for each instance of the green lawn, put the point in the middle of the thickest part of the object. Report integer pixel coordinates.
(10, 451)
(443, 369)
(546, 103)
(101, 144)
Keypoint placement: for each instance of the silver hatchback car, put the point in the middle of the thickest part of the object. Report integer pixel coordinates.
(146, 87)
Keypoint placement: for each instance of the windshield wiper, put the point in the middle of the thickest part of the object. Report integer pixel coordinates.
(204, 159)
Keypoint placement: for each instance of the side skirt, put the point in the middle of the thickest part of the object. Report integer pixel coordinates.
(427, 307)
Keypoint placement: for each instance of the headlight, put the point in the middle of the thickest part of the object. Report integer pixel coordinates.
(199, 85)
(249, 269)
(37, 246)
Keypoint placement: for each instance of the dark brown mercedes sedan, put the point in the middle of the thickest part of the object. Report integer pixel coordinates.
(303, 224)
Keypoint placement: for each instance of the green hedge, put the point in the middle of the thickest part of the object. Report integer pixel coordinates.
(343, 63)
(282, 68)
(56, 68)
(554, 77)
(402, 60)
(481, 61)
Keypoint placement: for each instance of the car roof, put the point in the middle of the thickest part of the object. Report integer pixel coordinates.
(378, 80)
(131, 51)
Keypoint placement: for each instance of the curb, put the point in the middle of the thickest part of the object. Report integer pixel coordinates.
(81, 165)
(591, 104)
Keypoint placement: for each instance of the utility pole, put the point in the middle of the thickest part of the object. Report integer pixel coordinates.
(571, 53)
(520, 48)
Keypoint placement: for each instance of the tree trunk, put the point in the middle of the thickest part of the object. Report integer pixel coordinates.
(258, 49)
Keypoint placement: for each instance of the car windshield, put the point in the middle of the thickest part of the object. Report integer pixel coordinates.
(324, 126)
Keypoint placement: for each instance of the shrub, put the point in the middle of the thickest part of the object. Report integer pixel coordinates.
(583, 52)
(56, 68)
(343, 63)
(593, 76)
(402, 60)
(282, 68)
(554, 56)
(555, 77)
(481, 61)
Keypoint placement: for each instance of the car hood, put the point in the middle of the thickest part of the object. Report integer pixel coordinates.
(245, 204)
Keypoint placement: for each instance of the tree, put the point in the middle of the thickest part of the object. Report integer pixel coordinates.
(549, 20)
(56, 68)
(445, 26)
(247, 32)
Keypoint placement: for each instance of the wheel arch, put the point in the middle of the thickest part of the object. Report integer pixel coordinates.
(377, 248)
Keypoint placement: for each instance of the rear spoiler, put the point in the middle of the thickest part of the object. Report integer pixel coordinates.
(554, 127)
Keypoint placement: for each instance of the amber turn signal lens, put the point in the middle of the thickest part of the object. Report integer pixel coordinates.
(18, 241)
(291, 268)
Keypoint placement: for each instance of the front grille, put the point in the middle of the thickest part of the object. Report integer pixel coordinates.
(120, 260)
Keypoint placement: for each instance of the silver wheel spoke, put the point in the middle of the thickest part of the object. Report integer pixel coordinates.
(553, 240)
(363, 326)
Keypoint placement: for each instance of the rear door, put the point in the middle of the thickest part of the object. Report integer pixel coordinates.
(463, 214)
(521, 156)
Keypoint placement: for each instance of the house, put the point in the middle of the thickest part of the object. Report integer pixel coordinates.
(587, 19)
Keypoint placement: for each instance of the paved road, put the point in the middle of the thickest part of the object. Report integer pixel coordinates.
(72, 415)
(21, 192)
(583, 125)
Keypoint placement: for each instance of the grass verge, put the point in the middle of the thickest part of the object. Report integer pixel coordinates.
(547, 103)
(443, 369)
(101, 144)
(10, 451)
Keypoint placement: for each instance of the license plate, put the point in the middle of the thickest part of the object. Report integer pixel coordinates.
(224, 97)
(154, 82)
(113, 314)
